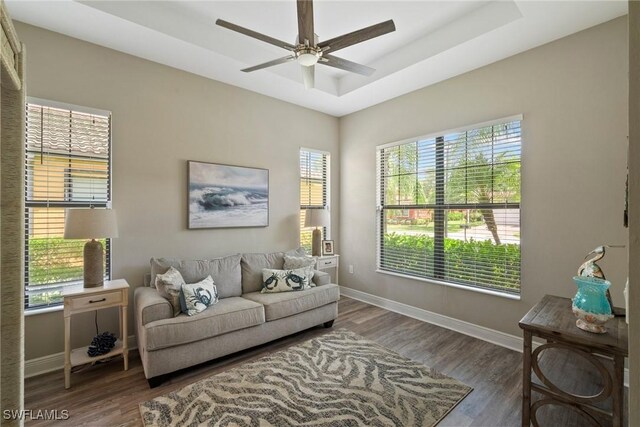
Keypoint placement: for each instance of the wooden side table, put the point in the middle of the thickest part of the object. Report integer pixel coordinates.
(114, 293)
(553, 320)
(328, 261)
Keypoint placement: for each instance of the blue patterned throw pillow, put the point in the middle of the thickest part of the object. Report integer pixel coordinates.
(306, 262)
(196, 297)
(284, 280)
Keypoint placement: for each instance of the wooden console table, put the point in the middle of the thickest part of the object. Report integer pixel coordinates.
(553, 320)
(114, 293)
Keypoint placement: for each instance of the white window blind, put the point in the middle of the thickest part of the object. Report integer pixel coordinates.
(449, 207)
(314, 189)
(67, 165)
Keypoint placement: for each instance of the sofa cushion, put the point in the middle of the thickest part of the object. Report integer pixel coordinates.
(285, 280)
(284, 304)
(228, 315)
(197, 297)
(169, 285)
(300, 251)
(292, 262)
(252, 265)
(225, 272)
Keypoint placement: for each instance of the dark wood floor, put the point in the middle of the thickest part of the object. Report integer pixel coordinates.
(108, 396)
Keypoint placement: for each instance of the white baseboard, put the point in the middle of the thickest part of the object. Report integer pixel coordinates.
(502, 339)
(55, 362)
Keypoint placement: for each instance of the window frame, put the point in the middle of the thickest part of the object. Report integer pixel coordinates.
(380, 218)
(326, 231)
(30, 310)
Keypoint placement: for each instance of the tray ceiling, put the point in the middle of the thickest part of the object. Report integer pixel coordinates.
(434, 41)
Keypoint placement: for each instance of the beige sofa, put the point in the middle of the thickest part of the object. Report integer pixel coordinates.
(243, 317)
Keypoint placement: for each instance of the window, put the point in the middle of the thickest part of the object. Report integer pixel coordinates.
(449, 207)
(67, 165)
(314, 189)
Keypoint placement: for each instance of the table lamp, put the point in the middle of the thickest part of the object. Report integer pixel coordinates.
(91, 223)
(316, 218)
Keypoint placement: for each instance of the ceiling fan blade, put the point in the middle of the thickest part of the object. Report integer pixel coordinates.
(308, 76)
(255, 35)
(358, 36)
(343, 64)
(305, 22)
(270, 63)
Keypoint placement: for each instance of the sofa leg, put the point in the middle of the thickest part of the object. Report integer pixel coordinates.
(156, 381)
(328, 324)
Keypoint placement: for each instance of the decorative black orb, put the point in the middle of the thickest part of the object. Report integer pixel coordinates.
(101, 344)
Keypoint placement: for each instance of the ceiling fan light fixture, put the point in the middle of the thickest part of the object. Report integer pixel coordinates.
(308, 51)
(308, 59)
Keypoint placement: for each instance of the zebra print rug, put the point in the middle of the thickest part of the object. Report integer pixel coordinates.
(337, 379)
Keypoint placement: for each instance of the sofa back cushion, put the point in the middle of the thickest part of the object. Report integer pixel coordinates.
(225, 272)
(252, 265)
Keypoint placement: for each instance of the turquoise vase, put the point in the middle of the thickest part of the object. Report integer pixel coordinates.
(591, 305)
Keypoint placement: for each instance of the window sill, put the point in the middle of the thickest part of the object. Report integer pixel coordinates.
(43, 310)
(453, 285)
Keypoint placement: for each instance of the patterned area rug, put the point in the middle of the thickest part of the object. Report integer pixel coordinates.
(338, 379)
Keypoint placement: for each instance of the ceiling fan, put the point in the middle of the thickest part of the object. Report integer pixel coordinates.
(308, 51)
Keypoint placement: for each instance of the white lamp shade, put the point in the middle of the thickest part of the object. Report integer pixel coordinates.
(316, 218)
(90, 223)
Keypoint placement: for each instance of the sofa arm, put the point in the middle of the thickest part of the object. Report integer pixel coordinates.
(321, 278)
(150, 306)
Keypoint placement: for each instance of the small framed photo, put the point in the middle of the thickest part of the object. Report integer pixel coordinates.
(327, 247)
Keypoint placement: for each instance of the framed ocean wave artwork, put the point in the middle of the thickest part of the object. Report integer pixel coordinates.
(225, 196)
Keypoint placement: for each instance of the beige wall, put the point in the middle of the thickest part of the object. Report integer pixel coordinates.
(573, 95)
(163, 117)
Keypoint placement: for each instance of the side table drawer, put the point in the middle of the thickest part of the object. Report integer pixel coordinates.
(327, 263)
(95, 301)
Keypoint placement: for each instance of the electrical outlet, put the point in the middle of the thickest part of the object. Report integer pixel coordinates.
(351, 268)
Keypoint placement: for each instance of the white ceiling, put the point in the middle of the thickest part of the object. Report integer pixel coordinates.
(434, 40)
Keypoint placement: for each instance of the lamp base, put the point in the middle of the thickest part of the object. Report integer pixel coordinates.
(93, 264)
(316, 242)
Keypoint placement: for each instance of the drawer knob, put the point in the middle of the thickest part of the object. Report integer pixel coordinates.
(98, 300)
